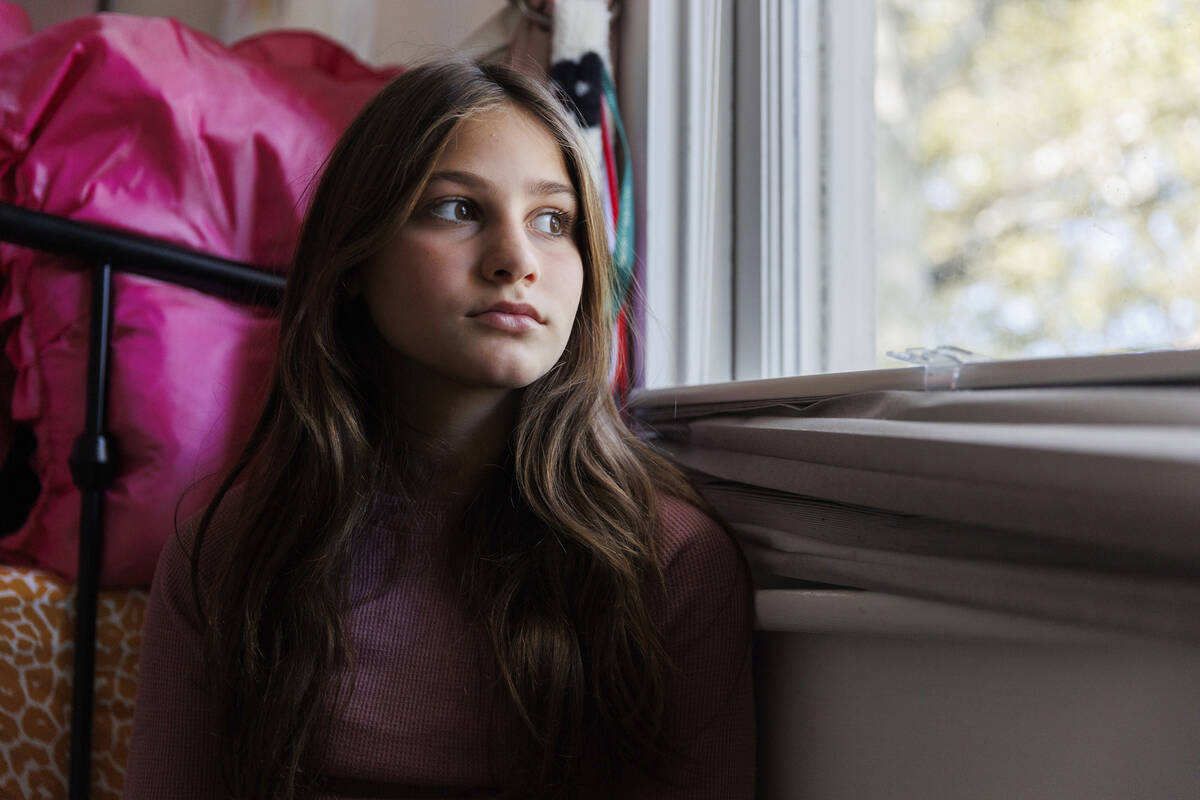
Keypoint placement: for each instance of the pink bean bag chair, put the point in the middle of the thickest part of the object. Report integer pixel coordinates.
(145, 125)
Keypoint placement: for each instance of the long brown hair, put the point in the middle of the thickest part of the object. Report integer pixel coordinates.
(556, 555)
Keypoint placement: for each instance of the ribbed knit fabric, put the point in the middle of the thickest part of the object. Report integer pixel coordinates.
(422, 720)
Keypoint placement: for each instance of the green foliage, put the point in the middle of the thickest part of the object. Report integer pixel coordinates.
(1055, 147)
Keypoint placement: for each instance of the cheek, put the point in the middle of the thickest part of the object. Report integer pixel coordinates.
(570, 287)
(411, 277)
(570, 294)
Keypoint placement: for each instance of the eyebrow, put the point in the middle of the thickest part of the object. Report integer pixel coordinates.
(540, 188)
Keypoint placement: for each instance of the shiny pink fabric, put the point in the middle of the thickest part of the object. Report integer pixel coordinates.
(146, 125)
(14, 26)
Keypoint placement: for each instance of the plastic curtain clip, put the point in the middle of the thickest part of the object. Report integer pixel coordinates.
(942, 363)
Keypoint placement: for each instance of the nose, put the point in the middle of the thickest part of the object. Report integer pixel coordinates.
(509, 255)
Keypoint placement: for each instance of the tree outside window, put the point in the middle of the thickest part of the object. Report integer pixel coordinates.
(1037, 170)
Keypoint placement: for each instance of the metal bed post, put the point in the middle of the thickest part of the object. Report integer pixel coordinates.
(91, 469)
(93, 455)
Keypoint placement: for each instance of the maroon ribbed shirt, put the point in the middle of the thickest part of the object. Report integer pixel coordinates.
(422, 720)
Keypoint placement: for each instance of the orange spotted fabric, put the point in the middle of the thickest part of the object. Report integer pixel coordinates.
(37, 627)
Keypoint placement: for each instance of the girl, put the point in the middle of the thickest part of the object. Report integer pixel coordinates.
(450, 571)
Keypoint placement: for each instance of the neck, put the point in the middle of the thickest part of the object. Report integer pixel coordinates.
(467, 427)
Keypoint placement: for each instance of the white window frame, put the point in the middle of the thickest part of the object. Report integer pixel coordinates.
(675, 94)
(748, 276)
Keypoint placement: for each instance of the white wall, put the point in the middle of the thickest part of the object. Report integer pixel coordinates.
(43, 14)
(203, 15)
(378, 31)
(426, 29)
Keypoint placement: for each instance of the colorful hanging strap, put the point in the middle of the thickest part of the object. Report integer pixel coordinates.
(623, 247)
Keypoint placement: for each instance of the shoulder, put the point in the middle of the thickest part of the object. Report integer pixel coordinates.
(691, 540)
(705, 573)
(173, 574)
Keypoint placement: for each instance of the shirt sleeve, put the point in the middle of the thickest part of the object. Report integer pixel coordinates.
(707, 626)
(173, 750)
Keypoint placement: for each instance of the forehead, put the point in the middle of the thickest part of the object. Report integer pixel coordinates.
(507, 139)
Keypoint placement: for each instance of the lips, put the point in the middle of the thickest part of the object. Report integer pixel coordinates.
(513, 309)
(509, 317)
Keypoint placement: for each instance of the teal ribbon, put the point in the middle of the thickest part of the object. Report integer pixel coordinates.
(623, 246)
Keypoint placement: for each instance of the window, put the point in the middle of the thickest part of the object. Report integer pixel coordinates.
(821, 182)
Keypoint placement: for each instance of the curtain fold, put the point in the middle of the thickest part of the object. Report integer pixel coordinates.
(1075, 504)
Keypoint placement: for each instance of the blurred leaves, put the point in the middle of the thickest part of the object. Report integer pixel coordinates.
(1054, 149)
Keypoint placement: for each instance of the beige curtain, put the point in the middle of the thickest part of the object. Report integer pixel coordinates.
(1076, 503)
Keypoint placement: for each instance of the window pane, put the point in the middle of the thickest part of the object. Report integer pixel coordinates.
(1037, 165)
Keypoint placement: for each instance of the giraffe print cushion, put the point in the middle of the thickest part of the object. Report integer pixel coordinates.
(36, 659)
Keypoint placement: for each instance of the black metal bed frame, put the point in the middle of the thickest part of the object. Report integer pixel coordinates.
(93, 454)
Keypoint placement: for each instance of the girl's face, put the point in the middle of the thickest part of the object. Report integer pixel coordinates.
(479, 288)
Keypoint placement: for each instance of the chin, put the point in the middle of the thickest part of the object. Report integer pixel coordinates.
(514, 381)
(508, 377)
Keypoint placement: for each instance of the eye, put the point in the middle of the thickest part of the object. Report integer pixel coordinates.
(554, 223)
(454, 209)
